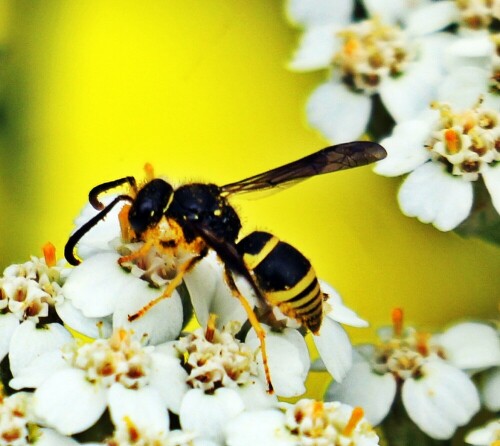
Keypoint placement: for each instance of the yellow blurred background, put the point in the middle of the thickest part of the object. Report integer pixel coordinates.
(92, 90)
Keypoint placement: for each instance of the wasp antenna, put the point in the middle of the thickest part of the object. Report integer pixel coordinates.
(69, 249)
(97, 190)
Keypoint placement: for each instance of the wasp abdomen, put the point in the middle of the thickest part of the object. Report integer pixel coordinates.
(285, 277)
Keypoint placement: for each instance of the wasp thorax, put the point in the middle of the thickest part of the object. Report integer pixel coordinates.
(204, 205)
(370, 52)
(216, 359)
(467, 142)
(117, 359)
(150, 205)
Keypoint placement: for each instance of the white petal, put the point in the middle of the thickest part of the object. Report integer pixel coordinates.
(39, 370)
(337, 310)
(386, 12)
(491, 177)
(69, 389)
(374, 393)
(168, 377)
(8, 325)
(288, 359)
(255, 396)
(463, 87)
(316, 49)
(490, 389)
(432, 18)
(88, 326)
(49, 437)
(316, 12)
(411, 93)
(439, 401)
(161, 323)
(263, 428)
(98, 238)
(29, 342)
(484, 436)
(335, 348)
(96, 285)
(338, 113)
(207, 415)
(475, 50)
(470, 345)
(143, 407)
(210, 294)
(405, 148)
(433, 196)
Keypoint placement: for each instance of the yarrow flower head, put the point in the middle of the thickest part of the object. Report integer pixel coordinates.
(93, 377)
(217, 359)
(445, 152)
(29, 294)
(307, 422)
(390, 54)
(409, 360)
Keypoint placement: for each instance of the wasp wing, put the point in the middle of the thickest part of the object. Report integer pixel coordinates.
(333, 158)
(229, 255)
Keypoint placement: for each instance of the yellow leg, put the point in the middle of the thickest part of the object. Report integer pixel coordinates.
(172, 285)
(261, 334)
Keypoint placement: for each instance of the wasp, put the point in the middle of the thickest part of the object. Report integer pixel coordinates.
(197, 217)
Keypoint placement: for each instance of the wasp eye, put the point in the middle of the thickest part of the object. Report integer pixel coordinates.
(150, 205)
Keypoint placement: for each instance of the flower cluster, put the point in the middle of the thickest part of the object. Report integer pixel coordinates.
(434, 66)
(158, 385)
(430, 373)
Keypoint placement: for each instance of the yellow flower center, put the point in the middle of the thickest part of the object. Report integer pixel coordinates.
(466, 141)
(371, 51)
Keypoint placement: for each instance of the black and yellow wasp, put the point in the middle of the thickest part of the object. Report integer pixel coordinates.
(199, 218)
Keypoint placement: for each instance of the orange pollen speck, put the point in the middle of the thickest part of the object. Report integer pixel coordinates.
(397, 321)
(356, 416)
(49, 253)
(318, 409)
(132, 429)
(452, 141)
(351, 46)
(422, 347)
(209, 332)
(149, 170)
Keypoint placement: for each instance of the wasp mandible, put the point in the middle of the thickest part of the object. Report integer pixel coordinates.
(200, 218)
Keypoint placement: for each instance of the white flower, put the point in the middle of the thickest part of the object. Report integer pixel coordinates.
(18, 424)
(307, 422)
(74, 389)
(489, 386)
(403, 66)
(488, 435)
(28, 294)
(437, 396)
(445, 151)
(470, 346)
(287, 350)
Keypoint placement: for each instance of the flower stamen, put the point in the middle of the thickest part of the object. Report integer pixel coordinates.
(49, 254)
(356, 416)
(397, 321)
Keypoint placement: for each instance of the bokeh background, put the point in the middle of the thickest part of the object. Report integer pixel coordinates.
(92, 90)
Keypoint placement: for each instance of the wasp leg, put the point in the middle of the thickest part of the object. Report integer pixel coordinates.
(261, 334)
(172, 285)
(141, 252)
